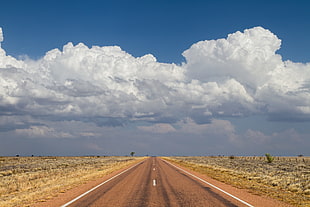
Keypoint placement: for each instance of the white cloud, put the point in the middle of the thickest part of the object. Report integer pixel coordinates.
(250, 60)
(247, 57)
(288, 91)
(236, 76)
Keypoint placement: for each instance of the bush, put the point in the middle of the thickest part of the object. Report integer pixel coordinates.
(231, 157)
(269, 158)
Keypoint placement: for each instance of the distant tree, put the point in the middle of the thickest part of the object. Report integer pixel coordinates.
(132, 154)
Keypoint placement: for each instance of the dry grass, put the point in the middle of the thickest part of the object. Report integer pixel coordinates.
(286, 178)
(27, 180)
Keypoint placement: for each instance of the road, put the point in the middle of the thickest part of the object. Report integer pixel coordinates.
(154, 183)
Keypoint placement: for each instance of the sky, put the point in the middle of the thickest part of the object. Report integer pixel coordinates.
(154, 77)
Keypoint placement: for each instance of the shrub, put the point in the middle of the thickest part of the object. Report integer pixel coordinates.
(269, 158)
(231, 157)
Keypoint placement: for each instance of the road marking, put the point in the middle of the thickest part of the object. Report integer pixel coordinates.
(198, 178)
(94, 188)
(154, 182)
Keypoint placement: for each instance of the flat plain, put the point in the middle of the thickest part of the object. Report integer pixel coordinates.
(28, 180)
(286, 178)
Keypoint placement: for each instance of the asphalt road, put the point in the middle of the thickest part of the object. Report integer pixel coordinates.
(155, 182)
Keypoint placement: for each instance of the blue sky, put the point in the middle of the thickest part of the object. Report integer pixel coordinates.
(203, 77)
(162, 28)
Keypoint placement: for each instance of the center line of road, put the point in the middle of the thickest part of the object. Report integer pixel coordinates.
(154, 182)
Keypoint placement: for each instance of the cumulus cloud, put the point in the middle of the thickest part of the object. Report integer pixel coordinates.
(248, 57)
(97, 81)
(236, 76)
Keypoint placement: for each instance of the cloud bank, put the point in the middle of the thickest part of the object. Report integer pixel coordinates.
(237, 76)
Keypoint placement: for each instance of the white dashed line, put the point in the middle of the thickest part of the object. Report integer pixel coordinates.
(154, 182)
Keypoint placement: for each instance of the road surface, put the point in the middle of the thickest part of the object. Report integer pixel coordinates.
(155, 183)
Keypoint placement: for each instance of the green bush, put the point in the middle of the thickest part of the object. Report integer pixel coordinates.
(269, 158)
